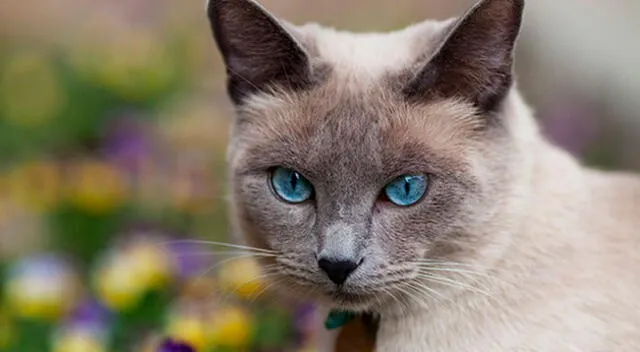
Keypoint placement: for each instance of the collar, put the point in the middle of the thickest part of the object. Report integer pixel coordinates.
(339, 318)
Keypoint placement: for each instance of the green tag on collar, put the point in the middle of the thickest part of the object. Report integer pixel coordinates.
(338, 319)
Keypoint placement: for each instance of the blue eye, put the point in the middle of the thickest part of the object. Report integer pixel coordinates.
(407, 190)
(290, 185)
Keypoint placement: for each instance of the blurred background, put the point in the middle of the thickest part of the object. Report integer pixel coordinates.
(113, 126)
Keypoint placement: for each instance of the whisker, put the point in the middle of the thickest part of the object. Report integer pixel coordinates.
(210, 269)
(428, 290)
(454, 270)
(485, 275)
(268, 284)
(395, 298)
(415, 294)
(224, 244)
(293, 267)
(218, 253)
(300, 278)
(442, 262)
(309, 290)
(261, 277)
(452, 283)
(379, 302)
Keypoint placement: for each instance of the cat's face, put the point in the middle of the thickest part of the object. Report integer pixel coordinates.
(361, 171)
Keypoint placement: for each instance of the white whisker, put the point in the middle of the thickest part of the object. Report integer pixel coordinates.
(267, 284)
(415, 294)
(261, 277)
(452, 283)
(438, 262)
(464, 272)
(219, 253)
(395, 298)
(224, 244)
(427, 289)
(455, 270)
(213, 267)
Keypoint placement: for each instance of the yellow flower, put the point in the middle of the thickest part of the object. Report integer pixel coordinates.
(42, 289)
(150, 263)
(241, 277)
(97, 186)
(190, 329)
(127, 275)
(231, 327)
(30, 90)
(118, 283)
(35, 185)
(77, 341)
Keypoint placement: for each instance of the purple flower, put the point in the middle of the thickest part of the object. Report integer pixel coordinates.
(127, 142)
(191, 259)
(91, 314)
(170, 345)
(305, 319)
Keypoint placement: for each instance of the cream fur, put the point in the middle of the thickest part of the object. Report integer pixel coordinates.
(567, 279)
(367, 57)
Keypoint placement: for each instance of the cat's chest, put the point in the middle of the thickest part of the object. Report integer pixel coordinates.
(491, 331)
(435, 333)
(461, 325)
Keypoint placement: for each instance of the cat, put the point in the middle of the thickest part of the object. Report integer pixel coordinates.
(403, 174)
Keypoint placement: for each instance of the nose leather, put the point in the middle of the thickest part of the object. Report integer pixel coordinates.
(337, 270)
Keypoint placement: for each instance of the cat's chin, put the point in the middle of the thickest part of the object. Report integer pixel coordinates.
(334, 299)
(352, 302)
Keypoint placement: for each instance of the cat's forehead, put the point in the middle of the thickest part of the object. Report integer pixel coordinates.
(356, 114)
(336, 125)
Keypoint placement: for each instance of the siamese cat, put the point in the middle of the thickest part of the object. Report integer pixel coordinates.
(402, 175)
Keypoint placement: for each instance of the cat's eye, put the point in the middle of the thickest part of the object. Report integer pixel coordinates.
(290, 185)
(407, 190)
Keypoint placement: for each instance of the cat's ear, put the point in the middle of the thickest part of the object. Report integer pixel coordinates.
(475, 60)
(257, 50)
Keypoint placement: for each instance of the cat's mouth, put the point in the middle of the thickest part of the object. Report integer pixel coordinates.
(351, 300)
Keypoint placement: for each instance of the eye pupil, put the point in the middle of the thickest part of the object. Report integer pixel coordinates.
(294, 180)
(407, 186)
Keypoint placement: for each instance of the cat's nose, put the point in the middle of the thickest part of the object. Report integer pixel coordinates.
(338, 270)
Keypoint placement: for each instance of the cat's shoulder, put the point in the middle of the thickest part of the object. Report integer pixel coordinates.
(620, 190)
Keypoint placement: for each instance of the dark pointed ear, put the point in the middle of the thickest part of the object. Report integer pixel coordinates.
(475, 60)
(257, 50)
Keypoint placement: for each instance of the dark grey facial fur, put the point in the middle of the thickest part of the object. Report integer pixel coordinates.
(350, 141)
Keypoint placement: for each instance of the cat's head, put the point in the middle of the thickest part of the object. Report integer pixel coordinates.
(375, 165)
